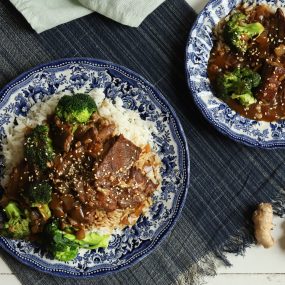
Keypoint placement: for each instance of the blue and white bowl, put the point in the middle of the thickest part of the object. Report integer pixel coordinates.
(200, 42)
(82, 75)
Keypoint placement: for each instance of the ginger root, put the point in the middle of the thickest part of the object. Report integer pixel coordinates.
(262, 219)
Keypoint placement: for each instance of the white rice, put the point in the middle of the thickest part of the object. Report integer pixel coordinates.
(127, 122)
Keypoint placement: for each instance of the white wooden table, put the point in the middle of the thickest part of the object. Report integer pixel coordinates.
(259, 266)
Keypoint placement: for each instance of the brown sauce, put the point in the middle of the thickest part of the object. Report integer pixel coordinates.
(265, 55)
(93, 170)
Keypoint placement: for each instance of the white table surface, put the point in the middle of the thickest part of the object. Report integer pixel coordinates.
(258, 266)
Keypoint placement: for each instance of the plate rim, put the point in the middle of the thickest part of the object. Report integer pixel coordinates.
(153, 246)
(240, 138)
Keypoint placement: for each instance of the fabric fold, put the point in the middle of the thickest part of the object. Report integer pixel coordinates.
(127, 12)
(43, 15)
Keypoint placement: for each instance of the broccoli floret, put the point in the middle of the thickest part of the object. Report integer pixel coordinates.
(38, 147)
(39, 192)
(237, 32)
(75, 109)
(17, 225)
(57, 244)
(238, 85)
(64, 245)
(39, 195)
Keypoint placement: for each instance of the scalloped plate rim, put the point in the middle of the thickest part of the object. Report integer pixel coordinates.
(219, 126)
(166, 231)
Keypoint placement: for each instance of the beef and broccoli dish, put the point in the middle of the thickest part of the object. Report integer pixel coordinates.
(78, 180)
(247, 62)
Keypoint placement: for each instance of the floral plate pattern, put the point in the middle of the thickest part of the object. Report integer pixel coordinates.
(83, 75)
(218, 113)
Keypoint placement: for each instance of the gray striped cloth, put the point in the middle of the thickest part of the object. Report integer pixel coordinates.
(227, 179)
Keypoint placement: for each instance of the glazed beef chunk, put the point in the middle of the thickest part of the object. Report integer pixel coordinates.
(118, 159)
(272, 74)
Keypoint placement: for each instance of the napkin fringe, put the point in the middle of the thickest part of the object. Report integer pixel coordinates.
(207, 265)
(237, 244)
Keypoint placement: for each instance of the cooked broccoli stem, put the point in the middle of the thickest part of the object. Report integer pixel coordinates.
(244, 99)
(12, 210)
(237, 32)
(39, 195)
(238, 85)
(91, 240)
(17, 226)
(75, 109)
(38, 147)
(64, 246)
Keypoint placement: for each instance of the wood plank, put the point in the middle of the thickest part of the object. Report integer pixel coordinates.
(246, 279)
(197, 5)
(260, 260)
(4, 269)
(9, 279)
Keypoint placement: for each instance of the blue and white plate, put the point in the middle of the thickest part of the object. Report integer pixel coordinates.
(226, 120)
(137, 94)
